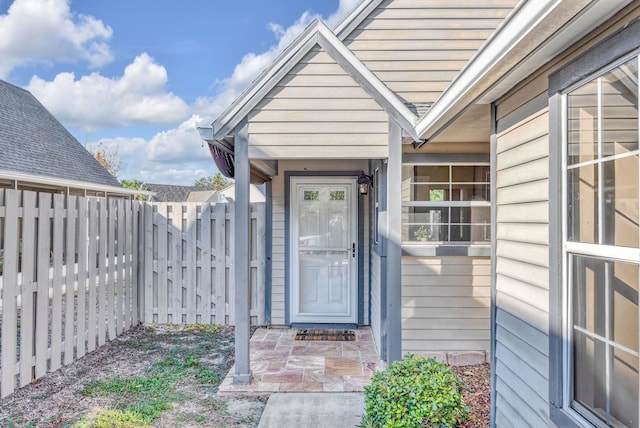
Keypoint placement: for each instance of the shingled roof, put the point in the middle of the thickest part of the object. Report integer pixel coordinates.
(33, 141)
(170, 192)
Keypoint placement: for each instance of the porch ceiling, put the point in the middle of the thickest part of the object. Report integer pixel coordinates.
(473, 126)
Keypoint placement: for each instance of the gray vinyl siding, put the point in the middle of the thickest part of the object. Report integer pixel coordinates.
(522, 259)
(445, 304)
(278, 218)
(417, 47)
(522, 233)
(317, 110)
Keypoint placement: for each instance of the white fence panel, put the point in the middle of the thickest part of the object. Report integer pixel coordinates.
(189, 264)
(68, 279)
(75, 272)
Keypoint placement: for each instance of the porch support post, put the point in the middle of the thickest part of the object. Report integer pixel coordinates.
(394, 244)
(242, 375)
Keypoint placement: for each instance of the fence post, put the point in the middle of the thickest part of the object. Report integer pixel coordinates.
(206, 285)
(10, 279)
(148, 262)
(139, 242)
(27, 318)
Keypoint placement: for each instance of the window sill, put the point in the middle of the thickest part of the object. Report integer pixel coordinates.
(431, 250)
(562, 418)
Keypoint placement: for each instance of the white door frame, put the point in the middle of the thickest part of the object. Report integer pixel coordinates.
(351, 316)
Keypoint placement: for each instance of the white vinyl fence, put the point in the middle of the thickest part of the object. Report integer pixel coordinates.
(189, 269)
(68, 279)
(76, 272)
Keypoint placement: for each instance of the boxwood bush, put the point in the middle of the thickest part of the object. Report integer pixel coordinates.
(414, 392)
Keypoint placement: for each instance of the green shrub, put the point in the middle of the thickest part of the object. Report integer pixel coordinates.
(414, 392)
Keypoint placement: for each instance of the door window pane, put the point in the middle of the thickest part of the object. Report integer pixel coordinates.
(324, 218)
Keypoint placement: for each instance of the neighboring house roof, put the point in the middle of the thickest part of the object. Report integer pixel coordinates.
(170, 192)
(34, 143)
(202, 196)
(227, 194)
(255, 194)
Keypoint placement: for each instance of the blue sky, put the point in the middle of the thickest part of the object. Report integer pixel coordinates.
(140, 75)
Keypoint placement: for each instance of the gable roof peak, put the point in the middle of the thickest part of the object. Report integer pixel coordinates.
(315, 34)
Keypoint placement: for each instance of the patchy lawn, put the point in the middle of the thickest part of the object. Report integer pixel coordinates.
(163, 376)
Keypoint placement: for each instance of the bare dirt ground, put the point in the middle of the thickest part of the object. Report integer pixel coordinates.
(477, 396)
(177, 372)
(190, 361)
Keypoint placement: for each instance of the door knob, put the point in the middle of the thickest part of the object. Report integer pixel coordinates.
(353, 250)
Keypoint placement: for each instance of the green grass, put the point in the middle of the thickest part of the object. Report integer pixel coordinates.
(140, 400)
(112, 418)
(207, 329)
(143, 397)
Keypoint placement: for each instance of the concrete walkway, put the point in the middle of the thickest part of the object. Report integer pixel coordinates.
(315, 409)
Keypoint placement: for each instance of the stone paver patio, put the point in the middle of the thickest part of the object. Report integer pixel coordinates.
(279, 363)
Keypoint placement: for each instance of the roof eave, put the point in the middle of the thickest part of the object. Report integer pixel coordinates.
(521, 43)
(228, 120)
(61, 182)
(355, 18)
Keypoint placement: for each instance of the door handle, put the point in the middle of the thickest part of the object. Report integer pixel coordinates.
(353, 250)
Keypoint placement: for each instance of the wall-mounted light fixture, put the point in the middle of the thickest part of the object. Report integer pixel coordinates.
(364, 182)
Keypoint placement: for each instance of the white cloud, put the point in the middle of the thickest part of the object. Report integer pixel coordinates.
(97, 102)
(252, 64)
(136, 164)
(177, 155)
(47, 31)
(173, 156)
(344, 8)
(176, 145)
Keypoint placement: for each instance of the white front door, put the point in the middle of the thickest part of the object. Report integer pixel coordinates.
(323, 250)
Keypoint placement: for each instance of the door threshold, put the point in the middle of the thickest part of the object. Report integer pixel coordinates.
(325, 326)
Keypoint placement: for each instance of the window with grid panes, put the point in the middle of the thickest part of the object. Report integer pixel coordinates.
(601, 247)
(446, 204)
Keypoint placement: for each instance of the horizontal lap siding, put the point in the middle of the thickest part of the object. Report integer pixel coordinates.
(522, 258)
(522, 276)
(278, 251)
(417, 47)
(445, 304)
(314, 110)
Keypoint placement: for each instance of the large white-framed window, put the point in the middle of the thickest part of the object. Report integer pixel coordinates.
(446, 203)
(601, 246)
